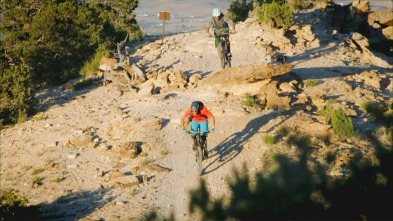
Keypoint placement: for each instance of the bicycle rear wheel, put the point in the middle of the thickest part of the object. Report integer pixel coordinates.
(221, 54)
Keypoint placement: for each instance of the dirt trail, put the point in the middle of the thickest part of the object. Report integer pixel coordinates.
(76, 180)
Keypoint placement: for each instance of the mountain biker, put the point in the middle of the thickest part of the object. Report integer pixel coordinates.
(220, 25)
(200, 114)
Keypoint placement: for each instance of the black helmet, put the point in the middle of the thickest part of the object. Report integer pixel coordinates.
(195, 106)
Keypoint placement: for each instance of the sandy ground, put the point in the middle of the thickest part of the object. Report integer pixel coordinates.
(76, 182)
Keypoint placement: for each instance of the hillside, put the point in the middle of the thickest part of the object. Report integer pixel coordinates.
(82, 144)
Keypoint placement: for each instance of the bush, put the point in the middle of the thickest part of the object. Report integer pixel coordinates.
(91, 67)
(252, 101)
(238, 10)
(379, 110)
(276, 14)
(342, 124)
(16, 93)
(268, 139)
(312, 82)
(283, 131)
(14, 207)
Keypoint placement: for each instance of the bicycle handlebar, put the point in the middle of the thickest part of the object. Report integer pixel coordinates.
(198, 132)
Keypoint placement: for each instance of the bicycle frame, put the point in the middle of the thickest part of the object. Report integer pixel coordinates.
(198, 148)
(223, 53)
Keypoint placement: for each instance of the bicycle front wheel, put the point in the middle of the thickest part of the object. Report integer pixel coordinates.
(199, 159)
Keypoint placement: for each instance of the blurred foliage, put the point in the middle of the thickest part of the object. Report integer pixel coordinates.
(342, 124)
(312, 82)
(91, 67)
(381, 111)
(238, 10)
(14, 207)
(276, 13)
(268, 139)
(298, 189)
(48, 41)
(252, 101)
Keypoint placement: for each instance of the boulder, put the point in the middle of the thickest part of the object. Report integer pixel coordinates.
(146, 88)
(129, 149)
(384, 17)
(156, 124)
(193, 80)
(388, 32)
(236, 80)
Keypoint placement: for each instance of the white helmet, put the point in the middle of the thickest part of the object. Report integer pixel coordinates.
(216, 12)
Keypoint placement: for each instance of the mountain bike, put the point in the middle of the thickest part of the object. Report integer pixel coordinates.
(223, 52)
(198, 147)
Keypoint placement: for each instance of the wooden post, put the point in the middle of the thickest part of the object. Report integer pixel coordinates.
(164, 16)
(163, 32)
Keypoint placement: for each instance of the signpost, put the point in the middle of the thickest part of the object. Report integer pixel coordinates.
(164, 16)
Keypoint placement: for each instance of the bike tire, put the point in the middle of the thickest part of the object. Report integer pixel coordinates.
(199, 158)
(221, 54)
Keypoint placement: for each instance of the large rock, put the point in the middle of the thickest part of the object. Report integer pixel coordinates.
(382, 17)
(273, 100)
(369, 56)
(361, 6)
(237, 80)
(388, 32)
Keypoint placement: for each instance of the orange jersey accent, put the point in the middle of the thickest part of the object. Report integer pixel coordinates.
(198, 118)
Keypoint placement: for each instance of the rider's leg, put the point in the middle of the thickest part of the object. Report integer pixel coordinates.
(228, 45)
(216, 42)
(194, 127)
(204, 127)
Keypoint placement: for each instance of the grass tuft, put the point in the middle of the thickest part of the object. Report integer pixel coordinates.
(268, 139)
(312, 82)
(37, 171)
(252, 101)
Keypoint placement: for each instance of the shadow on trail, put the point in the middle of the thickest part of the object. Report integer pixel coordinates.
(234, 144)
(75, 205)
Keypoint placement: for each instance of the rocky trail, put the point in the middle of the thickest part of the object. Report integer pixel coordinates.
(92, 154)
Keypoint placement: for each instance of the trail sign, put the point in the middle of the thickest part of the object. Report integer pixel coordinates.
(164, 16)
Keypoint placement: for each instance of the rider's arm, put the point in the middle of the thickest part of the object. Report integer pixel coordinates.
(209, 25)
(188, 112)
(213, 121)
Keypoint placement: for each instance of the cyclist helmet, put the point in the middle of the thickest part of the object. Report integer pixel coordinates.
(194, 106)
(216, 12)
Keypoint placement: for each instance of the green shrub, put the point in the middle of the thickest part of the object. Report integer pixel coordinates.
(16, 90)
(374, 108)
(91, 67)
(342, 124)
(252, 101)
(38, 180)
(238, 10)
(37, 171)
(312, 82)
(276, 14)
(268, 139)
(283, 131)
(328, 111)
(14, 207)
(297, 5)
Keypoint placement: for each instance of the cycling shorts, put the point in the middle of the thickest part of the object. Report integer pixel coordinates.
(202, 126)
(217, 37)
